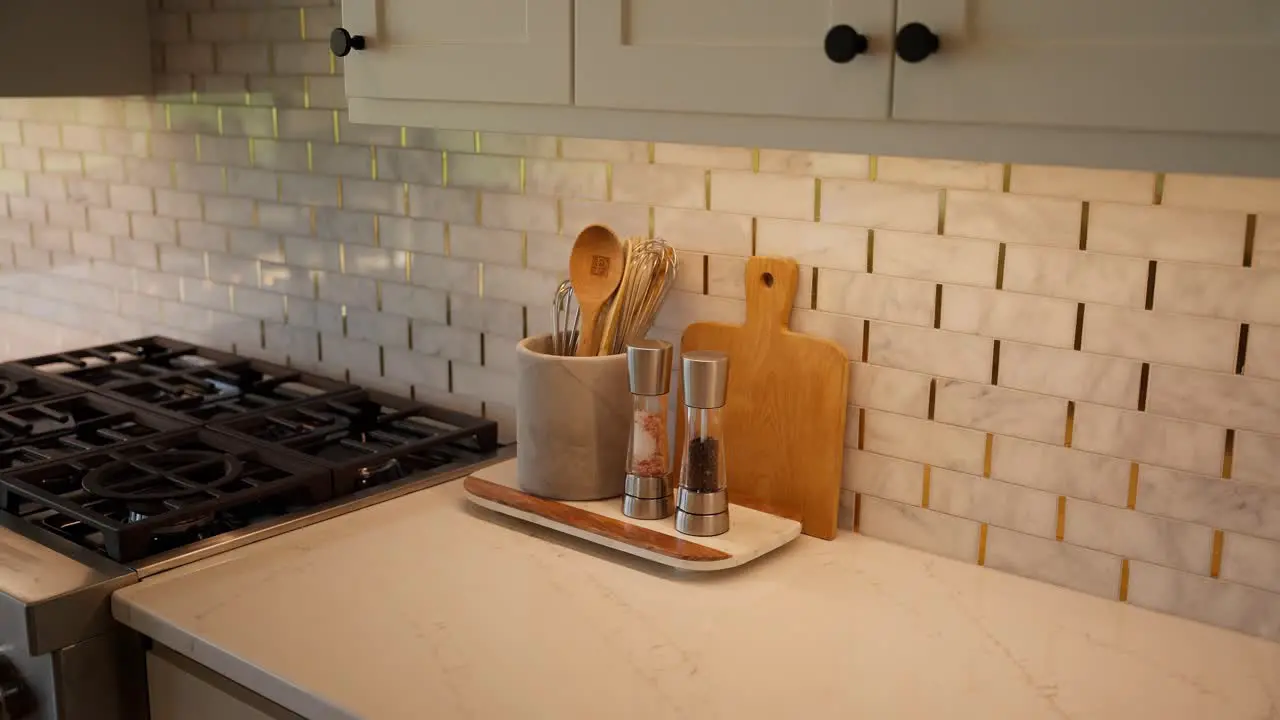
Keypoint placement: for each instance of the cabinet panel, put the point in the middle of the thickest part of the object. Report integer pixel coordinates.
(756, 57)
(180, 689)
(1175, 65)
(514, 51)
(105, 51)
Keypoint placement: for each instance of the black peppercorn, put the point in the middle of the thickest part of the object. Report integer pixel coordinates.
(704, 464)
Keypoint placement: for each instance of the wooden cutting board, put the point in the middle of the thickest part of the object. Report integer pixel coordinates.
(786, 403)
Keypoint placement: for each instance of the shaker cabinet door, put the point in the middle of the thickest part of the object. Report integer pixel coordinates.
(1174, 65)
(515, 51)
(752, 57)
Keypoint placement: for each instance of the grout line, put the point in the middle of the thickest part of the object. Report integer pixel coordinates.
(302, 23)
(337, 132)
(857, 511)
(1062, 517)
(813, 290)
(522, 176)
(942, 211)
(862, 428)
(373, 162)
(995, 363)
(1228, 454)
(444, 168)
(1071, 423)
(706, 271)
(755, 230)
(924, 492)
(1079, 339)
(982, 544)
(755, 160)
(653, 224)
(873, 167)
(1242, 351)
(1250, 233)
(986, 455)
(871, 250)
(653, 152)
(937, 306)
(1084, 225)
(608, 182)
(475, 142)
(1132, 501)
(1143, 379)
(1215, 560)
(1000, 267)
(1151, 284)
(1158, 196)
(933, 395)
(1006, 177)
(817, 199)
(1124, 580)
(866, 339)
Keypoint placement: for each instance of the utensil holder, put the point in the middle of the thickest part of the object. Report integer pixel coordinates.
(573, 421)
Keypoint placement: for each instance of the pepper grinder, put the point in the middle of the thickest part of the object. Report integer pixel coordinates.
(702, 501)
(647, 491)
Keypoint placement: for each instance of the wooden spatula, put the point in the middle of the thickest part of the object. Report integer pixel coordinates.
(595, 269)
(785, 406)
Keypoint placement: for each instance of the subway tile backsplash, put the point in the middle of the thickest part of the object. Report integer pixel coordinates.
(1064, 373)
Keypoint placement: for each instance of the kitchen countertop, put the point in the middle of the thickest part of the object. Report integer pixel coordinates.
(426, 607)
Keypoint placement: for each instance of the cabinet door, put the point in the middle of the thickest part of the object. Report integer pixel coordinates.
(1180, 65)
(758, 57)
(514, 51)
(103, 51)
(180, 689)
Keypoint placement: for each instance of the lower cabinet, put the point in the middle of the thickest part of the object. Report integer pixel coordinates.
(181, 689)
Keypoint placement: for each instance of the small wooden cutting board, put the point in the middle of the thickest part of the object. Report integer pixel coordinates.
(785, 407)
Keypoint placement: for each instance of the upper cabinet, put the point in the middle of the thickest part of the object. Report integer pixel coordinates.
(467, 50)
(1179, 65)
(806, 58)
(74, 48)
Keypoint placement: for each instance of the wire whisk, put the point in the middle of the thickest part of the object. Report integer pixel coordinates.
(566, 320)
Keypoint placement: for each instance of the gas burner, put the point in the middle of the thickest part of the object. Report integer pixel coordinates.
(72, 424)
(162, 476)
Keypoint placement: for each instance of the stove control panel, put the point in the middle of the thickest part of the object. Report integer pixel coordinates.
(17, 701)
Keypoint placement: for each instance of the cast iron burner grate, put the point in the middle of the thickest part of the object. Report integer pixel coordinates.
(108, 366)
(138, 500)
(19, 386)
(228, 390)
(370, 438)
(63, 426)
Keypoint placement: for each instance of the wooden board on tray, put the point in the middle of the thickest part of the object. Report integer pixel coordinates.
(751, 533)
(785, 409)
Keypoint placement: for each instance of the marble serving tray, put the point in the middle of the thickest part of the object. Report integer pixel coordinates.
(751, 533)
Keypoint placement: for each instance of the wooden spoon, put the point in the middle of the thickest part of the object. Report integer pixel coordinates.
(595, 269)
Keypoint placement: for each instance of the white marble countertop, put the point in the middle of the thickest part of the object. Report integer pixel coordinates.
(424, 607)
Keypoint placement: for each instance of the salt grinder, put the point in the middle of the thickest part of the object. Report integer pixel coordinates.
(702, 501)
(647, 493)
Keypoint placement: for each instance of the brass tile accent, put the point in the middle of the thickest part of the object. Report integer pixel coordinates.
(924, 493)
(1250, 232)
(444, 168)
(995, 362)
(1079, 339)
(1158, 197)
(652, 153)
(942, 211)
(608, 182)
(253, 152)
(1000, 266)
(382, 360)
(755, 231)
(755, 160)
(448, 237)
(1007, 178)
(813, 286)
(333, 65)
(524, 322)
(522, 177)
(982, 544)
(1151, 284)
(342, 258)
(225, 186)
(873, 167)
(275, 122)
(1242, 350)
(373, 162)
(1124, 580)
(1062, 517)
(311, 165)
(404, 193)
(1143, 379)
(857, 511)
(937, 306)
(1084, 225)
(450, 376)
(706, 195)
(404, 136)
(482, 349)
(871, 250)
(168, 117)
(480, 273)
(1215, 560)
(199, 150)
(475, 141)
(524, 248)
(337, 134)
(560, 149)
(1071, 423)
(652, 223)
(302, 23)
(862, 428)
(408, 277)
(560, 215)
(479, 206)
(817, 199)
(1132, 501)
(1228, 454)
(986, 455)
(866, 339)
(340, 203)
(933, 395)
(306, 91)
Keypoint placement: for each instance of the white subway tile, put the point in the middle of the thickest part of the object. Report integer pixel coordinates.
(1013, 218)
(377, 263)
(290, 219)
(510, 144)
(518, 212)
(132, 198)
(306, 189)
(1239, 294)
(420, 304)
(693, 269)
(941, 173)
(884, 388)
(1083, 183)
(549, 251)
(87, 244)
(1158, 337)
(990, 501)
(1249, 195)
(179, 205)
(485, 383)
(137, 253)
(1070, 374)
(231, 270)
(258, 304)
(423, 167)
(936, 257)
(373, 196)
(613, 150)
(1167, 233)
(446, 274)
(310, 253)
(1149, 438)
(422, 236)
(1226, 400)
(726, 278)
(380, 328)
(936, 352)
(453, 343)
(1256, 458)
(505, 247)
(1060, 470)
(922, 529)
(880, 205)
(1263, 352)
(360, 358)
(447, 204)
(883, 477)
(1009, 316)
(487, 315)
(843, 330)
(763, 194)
(348, 290)
(1228, 504)
(1251, 561)
(999, 410)
(1136, 535)
(229, 211)
(351, 160)
(421, 371)
(1266, 242)
(565, 178)
(1065, 273)
(665, 185)
(206, 294)
(1246, 609)
(702, 231)
(288, 280)
(794, 162)
(809, 243)
(924, 441)
(624, 219)
(682, 308)
(702, 156)
(876, 296)
(1054, 562)
(434, 139)
(519, 285)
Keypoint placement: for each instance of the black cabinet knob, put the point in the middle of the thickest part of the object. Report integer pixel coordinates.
(342, 42)
(915, 42)
(843, 44)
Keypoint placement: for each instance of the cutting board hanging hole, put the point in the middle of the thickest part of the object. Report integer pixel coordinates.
(767, 279)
